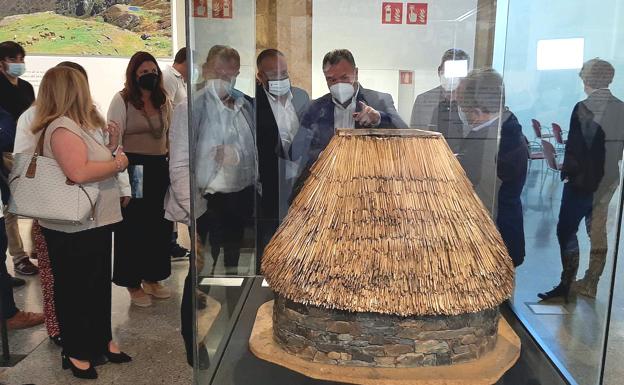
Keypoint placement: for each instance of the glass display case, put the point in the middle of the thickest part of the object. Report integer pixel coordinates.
(526, 95)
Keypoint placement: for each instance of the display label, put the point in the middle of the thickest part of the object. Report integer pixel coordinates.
(417, 13)
(222, 9)
(392, 13)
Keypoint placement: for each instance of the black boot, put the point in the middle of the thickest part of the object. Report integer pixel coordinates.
(560, 290)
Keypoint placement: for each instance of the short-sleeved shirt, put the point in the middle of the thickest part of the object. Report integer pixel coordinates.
(15, 99)
(107, 207)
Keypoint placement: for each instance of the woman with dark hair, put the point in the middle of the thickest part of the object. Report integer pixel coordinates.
(142, 241)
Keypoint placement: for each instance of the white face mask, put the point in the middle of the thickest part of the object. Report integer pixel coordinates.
(449, 84)
(342, 92)
(221, 88)
(16, 69)
(279, 87)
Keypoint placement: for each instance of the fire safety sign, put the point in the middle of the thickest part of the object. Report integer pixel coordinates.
(416, 13)
(392, 13)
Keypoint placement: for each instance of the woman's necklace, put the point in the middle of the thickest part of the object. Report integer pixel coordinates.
(157, 133)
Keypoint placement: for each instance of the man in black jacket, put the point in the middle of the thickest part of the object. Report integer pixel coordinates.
(279, 108)
(583, 173)
(496, 164)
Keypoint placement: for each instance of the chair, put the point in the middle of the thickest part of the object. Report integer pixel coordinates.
(537, 128)
(558, 135)
(535, 152)
(551, 157)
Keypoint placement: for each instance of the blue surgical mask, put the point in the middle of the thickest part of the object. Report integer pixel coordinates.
(16, 69)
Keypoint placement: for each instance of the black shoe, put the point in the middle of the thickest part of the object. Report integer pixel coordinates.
(17, 282)
(87, 374)
(178, 253)
(56, 339)
(118, 358)
(560, 290)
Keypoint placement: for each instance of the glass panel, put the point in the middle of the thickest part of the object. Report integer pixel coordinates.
(566, 101)
(301, 72)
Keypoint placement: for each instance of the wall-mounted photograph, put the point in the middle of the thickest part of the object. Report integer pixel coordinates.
(88, 27)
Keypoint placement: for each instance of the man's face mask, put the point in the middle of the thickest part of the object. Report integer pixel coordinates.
(279, 87)
(342, 92)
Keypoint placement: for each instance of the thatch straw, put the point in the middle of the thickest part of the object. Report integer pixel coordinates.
(389, 225)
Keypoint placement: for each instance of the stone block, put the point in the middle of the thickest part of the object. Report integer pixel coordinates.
(410, 360)
(469, 340)
(431, 347)
(462, 349)
(443, 359)
(359, 343)
(346, 357)
(397, 350)
(377, 340)
(445, 334)
(386, 361)
(375, 351)
(308, 353)
(358, 355)
(333, 355)
(345, 337)
(339, 327)
(429, 360)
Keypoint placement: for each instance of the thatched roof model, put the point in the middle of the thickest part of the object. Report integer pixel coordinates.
(388, 222)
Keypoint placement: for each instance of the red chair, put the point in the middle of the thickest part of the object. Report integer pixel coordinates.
(551, 157)
(558, 133)
(537, 128)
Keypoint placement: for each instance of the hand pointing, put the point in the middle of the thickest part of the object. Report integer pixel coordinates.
(367, 116)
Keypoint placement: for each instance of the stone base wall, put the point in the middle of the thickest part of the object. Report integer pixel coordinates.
(379, 340)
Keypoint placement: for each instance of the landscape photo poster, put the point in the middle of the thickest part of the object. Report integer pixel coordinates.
(88, 27)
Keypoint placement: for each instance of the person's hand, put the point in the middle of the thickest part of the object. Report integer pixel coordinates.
(125, 201)
(121, 159)
(114, 132)
(367, 116)
(226, 155)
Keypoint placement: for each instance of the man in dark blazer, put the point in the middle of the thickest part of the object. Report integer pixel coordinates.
(437, 109)
(496, 167)
(592, 175)
(279, 108)
(347, 105)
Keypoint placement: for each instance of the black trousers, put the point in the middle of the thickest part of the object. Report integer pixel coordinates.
(226, 217)
(6, 289)
(81, 266)
(143, 238)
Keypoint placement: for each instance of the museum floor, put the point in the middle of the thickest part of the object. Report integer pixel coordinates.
(153, 338)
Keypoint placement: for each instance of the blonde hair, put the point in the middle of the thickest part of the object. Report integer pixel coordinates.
(65, 91)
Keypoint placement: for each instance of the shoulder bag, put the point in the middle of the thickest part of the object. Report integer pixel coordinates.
(40, 190)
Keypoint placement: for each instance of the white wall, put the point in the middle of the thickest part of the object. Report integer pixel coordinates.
(106, 75)
(381, 50)
(550, 95)
(238, 32)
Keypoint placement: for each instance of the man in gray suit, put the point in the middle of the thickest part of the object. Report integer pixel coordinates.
(279, 108)
(347, 105)
(437, 109)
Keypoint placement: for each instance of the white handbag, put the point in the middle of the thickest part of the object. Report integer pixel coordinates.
(40, 190)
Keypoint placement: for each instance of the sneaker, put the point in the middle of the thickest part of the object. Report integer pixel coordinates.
(140, 298)
(24, 320)
(156, 290)
(16, 282)
(25, 267)
(179, 253)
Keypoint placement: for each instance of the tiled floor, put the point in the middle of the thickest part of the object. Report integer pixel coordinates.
(150, 335)
(576, 339)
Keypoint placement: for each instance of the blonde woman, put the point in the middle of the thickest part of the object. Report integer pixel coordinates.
(80, 255)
